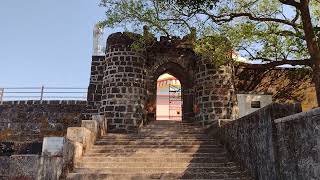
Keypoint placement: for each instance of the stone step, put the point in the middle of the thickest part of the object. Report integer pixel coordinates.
(154, 140)
(154, 164)
(158, 154)
(162, 176)
(159, 170)
(156, 158)
(167, 131)
(158, 150)
(177, 127)
(169, 122)
(157, 142)
(161, 150)
(167, 134)
(148, 137)
(162, 139)
(161, 146)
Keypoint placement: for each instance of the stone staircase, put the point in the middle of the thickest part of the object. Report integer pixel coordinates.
(161, 150)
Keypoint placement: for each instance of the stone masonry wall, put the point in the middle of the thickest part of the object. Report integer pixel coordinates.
(298, 145)
(31, 120)
(124, 85)
(252, 140)
(126, 90)
(95, 87)
(20, 167)
(213, 91)
(164, 57)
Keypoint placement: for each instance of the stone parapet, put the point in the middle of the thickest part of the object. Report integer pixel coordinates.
(298, 145)
(253, 139)
(44, 102)
(31, 121)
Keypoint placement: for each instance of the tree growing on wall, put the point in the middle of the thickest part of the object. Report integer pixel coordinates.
(274, 32)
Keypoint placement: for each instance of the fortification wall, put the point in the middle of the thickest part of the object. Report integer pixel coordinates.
(31, 120)
(275, 142)
(128, 82)
(214, 91)
(287, 85)
(298, 142)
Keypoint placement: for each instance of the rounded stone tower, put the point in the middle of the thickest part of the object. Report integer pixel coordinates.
(214, 91)
(124, 84)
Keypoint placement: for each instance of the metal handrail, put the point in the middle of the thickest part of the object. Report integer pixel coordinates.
(42, 93)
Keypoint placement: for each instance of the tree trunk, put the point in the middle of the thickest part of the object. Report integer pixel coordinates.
(312, 44)
(316, 80)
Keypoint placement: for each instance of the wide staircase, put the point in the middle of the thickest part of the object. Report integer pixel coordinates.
(161, 150)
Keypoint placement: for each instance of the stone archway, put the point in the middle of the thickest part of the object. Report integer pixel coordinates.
(123, 83)
(181, 74)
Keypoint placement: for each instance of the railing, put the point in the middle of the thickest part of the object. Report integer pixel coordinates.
(42, 93)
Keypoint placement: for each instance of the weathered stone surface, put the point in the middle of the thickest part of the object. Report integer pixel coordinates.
(252, 139)
(16, 148)
(19, 167)
(20, 121)
(298, 145)
(81, 135)
(92, 125)
(164, 153)
(57, 164)
(123, 83)
(53, 146)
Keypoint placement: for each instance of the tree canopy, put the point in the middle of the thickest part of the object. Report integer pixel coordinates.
(267, 30)
(273, 31)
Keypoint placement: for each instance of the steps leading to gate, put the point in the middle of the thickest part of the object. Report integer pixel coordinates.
(161, 150)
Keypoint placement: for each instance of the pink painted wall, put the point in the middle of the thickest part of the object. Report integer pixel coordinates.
(164, 110)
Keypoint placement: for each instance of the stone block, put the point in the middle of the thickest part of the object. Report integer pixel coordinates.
(81, 135)
(53, 146)
(92, 125)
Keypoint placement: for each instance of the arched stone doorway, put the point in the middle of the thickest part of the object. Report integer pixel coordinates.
(123, 83)
(181, 74)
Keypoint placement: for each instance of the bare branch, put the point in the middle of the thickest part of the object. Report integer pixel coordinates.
(229, 17)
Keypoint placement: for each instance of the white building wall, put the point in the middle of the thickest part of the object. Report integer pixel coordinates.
(245, 102)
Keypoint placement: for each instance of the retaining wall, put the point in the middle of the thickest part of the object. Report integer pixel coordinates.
(253, 140)
(32, 120)
(298, 145)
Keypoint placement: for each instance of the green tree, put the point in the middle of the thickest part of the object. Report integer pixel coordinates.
(273, 31)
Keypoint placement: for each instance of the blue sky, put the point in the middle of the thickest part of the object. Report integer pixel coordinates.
(47, 42)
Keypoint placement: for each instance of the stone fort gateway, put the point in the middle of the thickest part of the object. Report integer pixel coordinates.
(123, 83)
(238, 121)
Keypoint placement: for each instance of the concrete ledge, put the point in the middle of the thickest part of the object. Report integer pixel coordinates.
(60, 154)
(81, 135)
(92, 125)
(57, 158)
(102, 124)
(298, 116)
(53, 146)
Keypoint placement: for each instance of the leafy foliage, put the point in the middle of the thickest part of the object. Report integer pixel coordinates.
(264, 30)
(216, 48)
